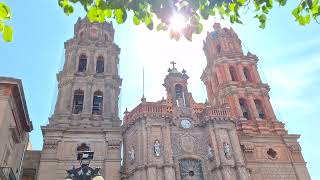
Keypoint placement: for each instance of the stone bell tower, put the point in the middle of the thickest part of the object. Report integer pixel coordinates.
(232, 80)
(86, 110)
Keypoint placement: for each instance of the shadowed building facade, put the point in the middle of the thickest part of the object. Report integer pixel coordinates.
(233, 136)
(15, 126)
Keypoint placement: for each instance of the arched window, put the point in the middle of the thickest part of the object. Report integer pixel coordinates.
(247, 75)
(259, 108)
(100, 65)
(244, 108)
(78, 102)
(233, 73)
(82, 63)
(178, 89)
(97, 103)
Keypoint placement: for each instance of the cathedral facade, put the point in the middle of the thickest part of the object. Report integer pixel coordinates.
(235, 135)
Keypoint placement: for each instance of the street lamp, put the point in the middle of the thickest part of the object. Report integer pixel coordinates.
(84, 172)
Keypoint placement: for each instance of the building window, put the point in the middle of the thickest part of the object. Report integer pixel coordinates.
(244, 108)
(259, 108)
(247, 75)
(82, 63)
(100, 65)
(97, 103)
(233, 73)
(178, 89)
(78, 101)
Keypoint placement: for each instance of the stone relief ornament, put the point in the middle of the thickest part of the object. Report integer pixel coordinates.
(187, 143)
(227, 150)
(131, 154)
(156, 148)
(190, 169)
(210, 152)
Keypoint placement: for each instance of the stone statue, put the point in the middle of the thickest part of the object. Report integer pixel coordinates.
(210, 152)
(227, 150)
(131, 153)
(156, 148)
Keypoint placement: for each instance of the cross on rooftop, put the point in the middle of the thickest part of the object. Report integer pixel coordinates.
(173, 63)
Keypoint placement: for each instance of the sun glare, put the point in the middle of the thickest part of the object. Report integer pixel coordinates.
(178, 22)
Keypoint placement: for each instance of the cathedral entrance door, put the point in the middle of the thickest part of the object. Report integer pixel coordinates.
(190, 169)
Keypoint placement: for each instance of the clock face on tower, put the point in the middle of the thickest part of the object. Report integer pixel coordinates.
(185, 123)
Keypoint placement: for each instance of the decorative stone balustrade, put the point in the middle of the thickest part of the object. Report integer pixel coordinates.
(145, 109)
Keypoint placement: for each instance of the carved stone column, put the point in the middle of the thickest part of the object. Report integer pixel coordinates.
(107, 100)
(241, 73)
(253, 108)
(87, 99)
(227, 72)
(253, 68)
(237, 104)
(269, 108)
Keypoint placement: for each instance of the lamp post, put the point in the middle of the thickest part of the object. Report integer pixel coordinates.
(84, 172)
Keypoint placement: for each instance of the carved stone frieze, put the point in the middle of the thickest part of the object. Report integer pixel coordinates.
(50, 146)
(295, 148)
(248, 147)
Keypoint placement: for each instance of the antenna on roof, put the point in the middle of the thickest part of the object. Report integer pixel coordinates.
(143, 99)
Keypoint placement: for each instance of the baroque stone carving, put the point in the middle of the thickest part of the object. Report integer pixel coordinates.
(248, 146)
(50, 146)
(187, 143)
(190, 169)
(295, 148)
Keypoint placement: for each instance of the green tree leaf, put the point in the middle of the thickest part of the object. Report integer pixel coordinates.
(136, 20)
(5, 12)
(7, 33)
(1, 26)
(108, 13)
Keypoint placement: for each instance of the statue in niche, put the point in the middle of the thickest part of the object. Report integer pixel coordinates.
(227, 150)
(210, 152)
(156, 148)
(131, 153)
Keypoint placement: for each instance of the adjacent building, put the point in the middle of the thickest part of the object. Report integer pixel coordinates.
(15, 126)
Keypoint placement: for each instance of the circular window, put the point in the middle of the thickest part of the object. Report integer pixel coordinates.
(191, 173)
(272, 153)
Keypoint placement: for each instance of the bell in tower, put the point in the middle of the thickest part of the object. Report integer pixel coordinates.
(176, 86)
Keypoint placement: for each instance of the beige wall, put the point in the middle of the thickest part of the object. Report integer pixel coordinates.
(11, 151)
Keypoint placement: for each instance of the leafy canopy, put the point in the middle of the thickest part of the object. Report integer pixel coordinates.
(158, 13)
(193, 11)
(5, 14)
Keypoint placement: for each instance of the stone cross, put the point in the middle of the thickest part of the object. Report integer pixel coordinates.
(173, 63)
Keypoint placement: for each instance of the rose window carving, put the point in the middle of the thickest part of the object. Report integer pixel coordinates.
(190, 169)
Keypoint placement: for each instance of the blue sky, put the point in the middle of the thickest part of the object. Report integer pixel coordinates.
(289, 62)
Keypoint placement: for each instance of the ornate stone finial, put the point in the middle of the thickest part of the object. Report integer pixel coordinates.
(184, 71)
(206, 102)
(126, 111)
(143, 99)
